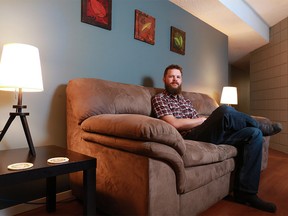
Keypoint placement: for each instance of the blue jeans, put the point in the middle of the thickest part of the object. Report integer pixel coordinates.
(228, 126)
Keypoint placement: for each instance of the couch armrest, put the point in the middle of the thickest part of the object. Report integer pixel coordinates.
(146, 149)
(262, 120)
(137, 127)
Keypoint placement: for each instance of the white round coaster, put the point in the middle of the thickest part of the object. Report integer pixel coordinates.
(20, 166)
(57, 160)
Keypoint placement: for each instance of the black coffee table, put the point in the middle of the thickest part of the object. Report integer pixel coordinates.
(42, 169)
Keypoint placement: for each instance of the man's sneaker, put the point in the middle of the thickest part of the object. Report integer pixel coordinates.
(270, 129)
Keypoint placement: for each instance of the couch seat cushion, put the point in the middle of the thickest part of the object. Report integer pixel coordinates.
(201, 153)
(199, 176)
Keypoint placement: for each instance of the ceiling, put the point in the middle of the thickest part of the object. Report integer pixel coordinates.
(245, 22)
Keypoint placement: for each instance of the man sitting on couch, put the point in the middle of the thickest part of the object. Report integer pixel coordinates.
(224, 126)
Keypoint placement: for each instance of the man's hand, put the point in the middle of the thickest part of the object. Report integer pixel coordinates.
(183, 124)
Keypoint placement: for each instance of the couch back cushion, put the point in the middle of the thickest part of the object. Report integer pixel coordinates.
(90, 96)
(203, 103)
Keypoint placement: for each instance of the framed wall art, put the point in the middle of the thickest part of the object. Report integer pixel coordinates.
(97, 13)
(177, 40)
(144, 29)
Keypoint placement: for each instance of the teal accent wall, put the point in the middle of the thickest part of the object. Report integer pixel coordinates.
(69, 49)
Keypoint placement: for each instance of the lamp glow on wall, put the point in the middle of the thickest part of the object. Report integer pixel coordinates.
(229, 95)
(20, 71)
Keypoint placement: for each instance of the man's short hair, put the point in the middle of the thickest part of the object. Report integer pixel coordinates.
(172, 66)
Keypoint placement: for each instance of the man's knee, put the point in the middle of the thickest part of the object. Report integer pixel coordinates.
(224, 109)
(256, 132)
(256, 135)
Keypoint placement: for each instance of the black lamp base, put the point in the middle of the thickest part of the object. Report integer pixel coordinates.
(25, 127)
(22, 116)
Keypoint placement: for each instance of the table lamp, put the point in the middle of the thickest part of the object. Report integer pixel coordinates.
(20, 71)
(229, 95)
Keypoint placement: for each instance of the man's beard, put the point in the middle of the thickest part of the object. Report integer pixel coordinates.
(172, 90)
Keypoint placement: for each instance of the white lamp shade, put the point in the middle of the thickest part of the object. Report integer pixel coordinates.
(229, 95)
(20, 68)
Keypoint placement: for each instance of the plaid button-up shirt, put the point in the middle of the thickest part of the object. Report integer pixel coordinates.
(176, 105)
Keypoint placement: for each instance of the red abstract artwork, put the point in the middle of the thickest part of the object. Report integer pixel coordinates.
(97, 12)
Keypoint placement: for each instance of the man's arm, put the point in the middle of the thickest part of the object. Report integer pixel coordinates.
(183, 124)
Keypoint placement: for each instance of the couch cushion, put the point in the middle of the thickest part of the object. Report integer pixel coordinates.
(137, 127)
(90, 97)
(201, 153)
(199, 176)
(203, 103)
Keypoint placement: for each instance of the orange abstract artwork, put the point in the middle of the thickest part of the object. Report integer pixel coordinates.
(144, 27)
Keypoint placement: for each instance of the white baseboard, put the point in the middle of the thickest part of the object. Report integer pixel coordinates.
(17, 209)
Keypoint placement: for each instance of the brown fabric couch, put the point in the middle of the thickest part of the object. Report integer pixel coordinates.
(144, 166)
